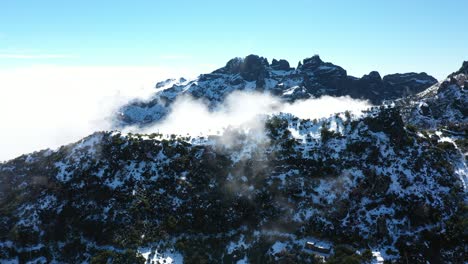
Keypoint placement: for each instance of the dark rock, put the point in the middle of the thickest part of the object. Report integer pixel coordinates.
(401, 85)
(234, 65)
(209, 76)
(250, 68)
(370, 87)
(460, 77)
(425, 110)
(453, 81)
(464, 67)
(462, 70)
(260, 84)
(412, 79)
(281, 65)
(312, 62)
(253, 67)
(373, 77)
(328, 72)
(163, 83)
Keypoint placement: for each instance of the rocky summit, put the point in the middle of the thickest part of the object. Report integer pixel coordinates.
(312, 78)
(385, 186)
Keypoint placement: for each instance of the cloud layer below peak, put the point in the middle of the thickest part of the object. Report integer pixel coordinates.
(49, 106)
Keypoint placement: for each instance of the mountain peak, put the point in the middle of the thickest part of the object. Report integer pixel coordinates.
(462, 70)
(312, 62)
(282, 65)
(373, 75)
(459, 77)
(250, 68)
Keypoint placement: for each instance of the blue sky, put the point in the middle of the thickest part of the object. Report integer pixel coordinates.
(389, 36)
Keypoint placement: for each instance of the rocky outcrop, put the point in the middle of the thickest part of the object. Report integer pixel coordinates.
(321, 69)
(251, 68)
(462, 70)
(254, 68)
(459, 77)
(408, 83)
(281, 65)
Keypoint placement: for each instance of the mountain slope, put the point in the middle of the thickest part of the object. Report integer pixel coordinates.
(367, 182)
(389, 184)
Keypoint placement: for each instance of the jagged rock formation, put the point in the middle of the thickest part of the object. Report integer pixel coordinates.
(312, 78)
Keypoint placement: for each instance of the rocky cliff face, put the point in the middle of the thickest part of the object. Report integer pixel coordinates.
(312, 78)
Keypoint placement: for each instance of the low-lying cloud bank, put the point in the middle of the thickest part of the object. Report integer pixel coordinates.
(242, 110)
(49, 106)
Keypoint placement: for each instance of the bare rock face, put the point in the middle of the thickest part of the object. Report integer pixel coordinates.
(463, 70)
(253, 68)
(402, 85)
(460, 77)
(321, 69)
(281, 65)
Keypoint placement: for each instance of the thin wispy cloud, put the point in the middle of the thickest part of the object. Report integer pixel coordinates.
(36, 56)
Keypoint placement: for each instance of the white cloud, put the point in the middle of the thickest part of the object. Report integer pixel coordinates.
(193, 116)
(325, 106)
(48, 106)
(242, 110)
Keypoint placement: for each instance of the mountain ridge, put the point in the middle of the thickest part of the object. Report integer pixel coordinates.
(312, 78)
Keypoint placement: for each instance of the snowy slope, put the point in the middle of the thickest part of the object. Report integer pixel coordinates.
(366, 182)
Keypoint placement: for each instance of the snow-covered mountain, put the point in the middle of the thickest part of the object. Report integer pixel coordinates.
(311, 78)
(387, 185)
(444, 104)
